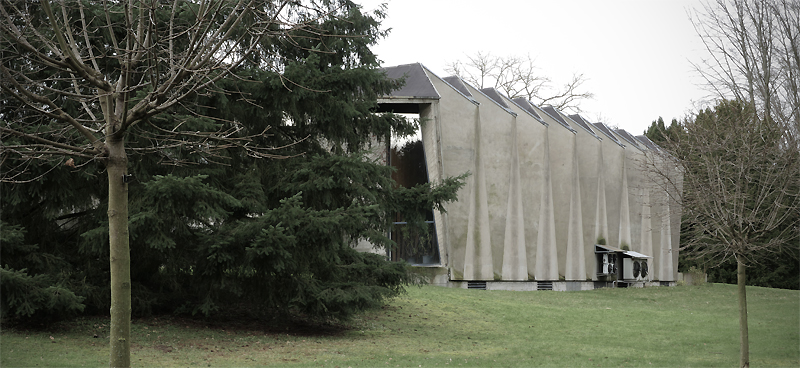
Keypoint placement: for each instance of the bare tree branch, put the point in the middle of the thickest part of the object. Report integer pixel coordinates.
(516, 77)
(754, 56)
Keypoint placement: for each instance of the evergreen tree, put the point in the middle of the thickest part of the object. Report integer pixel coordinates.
(215, 221)
(659, 133)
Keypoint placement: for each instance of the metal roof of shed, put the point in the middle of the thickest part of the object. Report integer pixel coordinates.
(609, 248)
(636, 254)
(625, 252)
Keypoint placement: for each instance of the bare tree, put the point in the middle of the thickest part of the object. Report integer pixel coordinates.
(740, 189)
(80, 79)
(741, 160)
(753, 54)
(518, 76)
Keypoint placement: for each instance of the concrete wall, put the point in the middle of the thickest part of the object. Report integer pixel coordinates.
(458, 124)
(496, 145)
(542, 189)
(589, 159)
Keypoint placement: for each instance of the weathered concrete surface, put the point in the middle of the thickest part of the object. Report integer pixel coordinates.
(543, 188)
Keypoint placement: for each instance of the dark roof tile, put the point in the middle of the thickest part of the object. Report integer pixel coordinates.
(495, 96)
(458, 84)
(550, 110)
(628, 138)
(417, 83)
(582, 122)
(527, 106)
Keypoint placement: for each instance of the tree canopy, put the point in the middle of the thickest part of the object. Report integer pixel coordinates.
(741, 158)
(203, 156)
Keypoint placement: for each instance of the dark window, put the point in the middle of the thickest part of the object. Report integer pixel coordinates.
(415, 246)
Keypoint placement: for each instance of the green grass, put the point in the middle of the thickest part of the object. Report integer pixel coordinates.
(431, 326)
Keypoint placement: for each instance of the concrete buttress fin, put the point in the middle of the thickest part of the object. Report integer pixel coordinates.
(515, 263)
(575, 263)
(546, 257)
(624, 210)
(478, 256)
(601, 216)
(665, 261)
(646, 243)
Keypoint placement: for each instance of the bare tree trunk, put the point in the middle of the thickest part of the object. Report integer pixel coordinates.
(163, 65)
(744, 360)
(119, 254)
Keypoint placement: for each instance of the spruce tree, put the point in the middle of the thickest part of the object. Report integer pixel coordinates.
(215, 230)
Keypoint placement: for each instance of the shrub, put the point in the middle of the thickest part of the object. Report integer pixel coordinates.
(23, 296)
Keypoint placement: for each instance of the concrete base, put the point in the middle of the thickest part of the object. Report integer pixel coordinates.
(528, 285)
(439, 276)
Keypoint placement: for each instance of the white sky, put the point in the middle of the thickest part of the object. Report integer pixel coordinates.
(635, 53)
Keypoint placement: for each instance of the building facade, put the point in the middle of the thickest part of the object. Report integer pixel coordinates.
(552, 201)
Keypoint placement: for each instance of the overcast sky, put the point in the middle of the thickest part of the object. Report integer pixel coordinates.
(635, 55)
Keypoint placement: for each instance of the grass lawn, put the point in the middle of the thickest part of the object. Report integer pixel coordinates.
(432, 326)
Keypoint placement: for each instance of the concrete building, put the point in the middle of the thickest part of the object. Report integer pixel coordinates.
(553, 201)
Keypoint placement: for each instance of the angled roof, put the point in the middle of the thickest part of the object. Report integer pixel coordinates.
(608, 248)
(603, 128)
(583, 123)
(458, 85)
(628, 138)
(553, 113)
(527, 106)
(417, 83)
(626, 252)
(636, 254)
(648, 143)
(495, 96)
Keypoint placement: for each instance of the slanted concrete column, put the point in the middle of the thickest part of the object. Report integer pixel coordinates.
(515, 259)
(665, 261)
(624, 209)
(613, 164)
(646, 242)
(601, 214)
(431, 143)
(546, 256)
(478, 264)
(575, 264)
